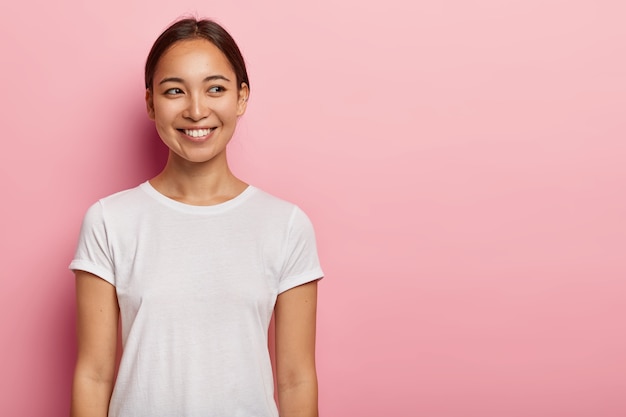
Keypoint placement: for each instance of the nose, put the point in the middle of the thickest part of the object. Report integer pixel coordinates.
(197, 108)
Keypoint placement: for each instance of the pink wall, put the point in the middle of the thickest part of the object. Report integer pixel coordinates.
(463, 163)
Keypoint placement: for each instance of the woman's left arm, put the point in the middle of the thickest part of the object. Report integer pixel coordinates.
(296, 376)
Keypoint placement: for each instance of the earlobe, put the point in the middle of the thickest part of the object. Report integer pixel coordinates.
(149, 104)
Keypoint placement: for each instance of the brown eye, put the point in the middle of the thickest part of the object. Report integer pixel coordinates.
(173, 91)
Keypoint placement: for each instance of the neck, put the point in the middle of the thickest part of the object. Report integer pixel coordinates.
(201, 184)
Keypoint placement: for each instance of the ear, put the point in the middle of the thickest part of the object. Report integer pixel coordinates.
(149, 104)
(242, 103)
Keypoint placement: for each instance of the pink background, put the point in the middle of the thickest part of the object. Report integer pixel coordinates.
(463, 163)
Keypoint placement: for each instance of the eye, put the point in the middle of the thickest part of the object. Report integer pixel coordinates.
(173, 91)
(216, 89)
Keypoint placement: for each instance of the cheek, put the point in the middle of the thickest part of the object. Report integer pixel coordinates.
(163, 120)
(165, 112)
(162, 131)
(229, 111)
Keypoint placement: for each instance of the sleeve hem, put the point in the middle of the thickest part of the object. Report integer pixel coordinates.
(300, 279)
(81, 265)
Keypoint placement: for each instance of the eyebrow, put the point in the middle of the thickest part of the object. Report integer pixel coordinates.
(180, 80)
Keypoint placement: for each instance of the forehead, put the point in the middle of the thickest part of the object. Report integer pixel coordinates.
(193, 56)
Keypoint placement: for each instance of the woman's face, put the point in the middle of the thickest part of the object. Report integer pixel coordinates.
(195, 100)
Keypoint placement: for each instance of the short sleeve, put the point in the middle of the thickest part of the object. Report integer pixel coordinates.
(93, 253)
(301, 262)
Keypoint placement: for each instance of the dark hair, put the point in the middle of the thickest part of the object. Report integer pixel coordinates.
(191, 28)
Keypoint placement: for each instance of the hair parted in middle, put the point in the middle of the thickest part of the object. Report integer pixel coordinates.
(192, 28)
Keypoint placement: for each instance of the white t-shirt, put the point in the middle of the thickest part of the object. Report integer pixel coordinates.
(196, 286)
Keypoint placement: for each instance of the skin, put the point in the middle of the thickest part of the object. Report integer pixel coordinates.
(194, 88)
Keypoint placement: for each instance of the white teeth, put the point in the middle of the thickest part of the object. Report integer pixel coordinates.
(196, 133)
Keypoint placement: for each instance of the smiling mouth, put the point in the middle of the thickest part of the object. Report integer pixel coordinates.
(197, 133)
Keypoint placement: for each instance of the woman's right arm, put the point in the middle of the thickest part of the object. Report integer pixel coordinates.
(97, 322)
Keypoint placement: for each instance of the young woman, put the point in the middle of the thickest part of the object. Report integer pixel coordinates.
(194, 262)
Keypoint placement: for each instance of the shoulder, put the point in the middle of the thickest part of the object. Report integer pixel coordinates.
(125, 199)
(262, 197)
(263, 202)
(278, 211)
(119, 203)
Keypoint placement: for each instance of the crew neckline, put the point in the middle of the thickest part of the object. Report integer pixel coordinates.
(190, 208)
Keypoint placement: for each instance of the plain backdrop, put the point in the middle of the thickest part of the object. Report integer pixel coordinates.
(463, 162)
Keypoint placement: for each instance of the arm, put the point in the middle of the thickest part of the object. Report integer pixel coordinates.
(97, 322)
(295, 351)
